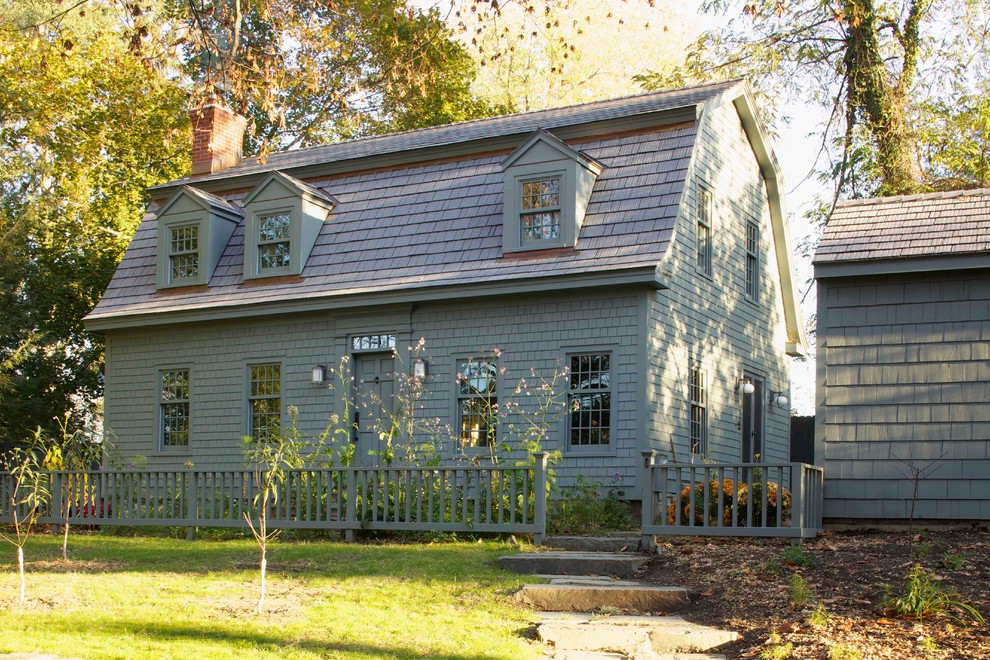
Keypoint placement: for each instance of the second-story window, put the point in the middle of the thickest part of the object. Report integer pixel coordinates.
(273, 241)
(704, 235)
(539, 219)
(752, 260)
(183, 253)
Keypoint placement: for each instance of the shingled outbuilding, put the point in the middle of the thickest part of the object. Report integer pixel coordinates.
(640, 243)
(903, 396)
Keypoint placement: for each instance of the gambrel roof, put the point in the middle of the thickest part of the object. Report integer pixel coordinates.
(907, 233)
(418, 215)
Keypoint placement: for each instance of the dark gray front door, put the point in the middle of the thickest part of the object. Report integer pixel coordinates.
(752, 421)
(375, 381)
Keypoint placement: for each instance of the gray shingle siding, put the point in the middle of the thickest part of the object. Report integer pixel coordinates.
(532, 333)
(906, 386)
(709, 320)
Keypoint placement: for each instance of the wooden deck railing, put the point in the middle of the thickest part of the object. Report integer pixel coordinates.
(454, 499)
(731, 499)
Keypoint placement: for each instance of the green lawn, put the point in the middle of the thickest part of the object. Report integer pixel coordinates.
(164, 598)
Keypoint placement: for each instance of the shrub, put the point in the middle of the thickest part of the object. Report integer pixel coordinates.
(800, 593)
(796, 555)
(720, 504)
(774, 517)
(581, 511)
(925, 596)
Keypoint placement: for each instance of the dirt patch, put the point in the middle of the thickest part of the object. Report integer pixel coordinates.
(748, 586)
(74, 566)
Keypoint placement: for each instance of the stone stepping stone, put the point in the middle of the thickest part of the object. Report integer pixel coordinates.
(589, 598)
(573, 563)
(594, 543)
(637, 636)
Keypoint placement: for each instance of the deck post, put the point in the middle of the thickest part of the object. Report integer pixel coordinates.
(540, 497)
(647, 499)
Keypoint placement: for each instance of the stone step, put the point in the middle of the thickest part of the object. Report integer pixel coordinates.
(594, 543)
(589, 598)
(637, 636)
(574, 563)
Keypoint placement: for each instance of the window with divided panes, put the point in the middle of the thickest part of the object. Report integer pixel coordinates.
(699, 410)
(477, 402)
(273, 241)
(265, 401)
(183, 253)
(752, 260)
(174, 408)
(589, 400)
(540, 216)
(704, 234)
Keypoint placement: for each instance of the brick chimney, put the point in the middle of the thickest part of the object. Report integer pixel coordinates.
(218, 134)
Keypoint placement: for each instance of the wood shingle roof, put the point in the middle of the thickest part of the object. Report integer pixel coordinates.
(907, 227)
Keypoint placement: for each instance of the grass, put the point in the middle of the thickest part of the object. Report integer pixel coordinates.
(924, 596)
(167, 598)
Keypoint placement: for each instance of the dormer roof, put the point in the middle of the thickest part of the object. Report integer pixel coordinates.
(563, 148)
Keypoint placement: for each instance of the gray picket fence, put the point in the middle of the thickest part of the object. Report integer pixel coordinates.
(732, 499)
(448, 499)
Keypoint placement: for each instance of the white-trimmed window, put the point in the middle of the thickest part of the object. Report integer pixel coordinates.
(477, 402)
(698, 395)
(174, 408)
(589, 400)
(274, 242)
(539, 218)
(183, 253)
(752, 260)
(265, 401)
(704, 231)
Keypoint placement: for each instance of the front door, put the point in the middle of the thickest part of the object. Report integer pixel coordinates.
(752, 420)
(375, 385)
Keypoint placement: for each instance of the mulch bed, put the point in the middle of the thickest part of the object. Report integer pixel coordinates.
(746, 586)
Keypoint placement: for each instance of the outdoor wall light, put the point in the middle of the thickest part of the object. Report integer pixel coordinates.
(745, 386)
(779, 399)
(419, 368)
(319, 374)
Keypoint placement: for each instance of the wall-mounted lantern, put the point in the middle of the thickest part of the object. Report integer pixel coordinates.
(419, 368)
(745, 386)
(779, 399)
(319, 374)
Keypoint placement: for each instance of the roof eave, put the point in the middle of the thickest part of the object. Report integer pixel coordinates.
(640, 276)
(906, 265)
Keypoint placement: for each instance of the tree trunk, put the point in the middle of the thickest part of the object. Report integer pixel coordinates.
(879, 98)
(20, 568)
(65, 539)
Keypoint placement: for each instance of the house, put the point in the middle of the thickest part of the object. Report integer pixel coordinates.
(903, 396)
(640, 242)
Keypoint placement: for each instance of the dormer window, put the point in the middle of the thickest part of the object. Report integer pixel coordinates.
(183, 253)
(547, 189)
(193, 230)
(540, 216)
(284, 218)
(274, 242)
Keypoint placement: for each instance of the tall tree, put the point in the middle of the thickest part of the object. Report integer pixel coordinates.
(85, 127)
(534, 55)
(317, 71)
(871, 63)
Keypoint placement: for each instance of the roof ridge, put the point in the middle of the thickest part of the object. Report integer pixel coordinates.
(370, 138)
(944, 194)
